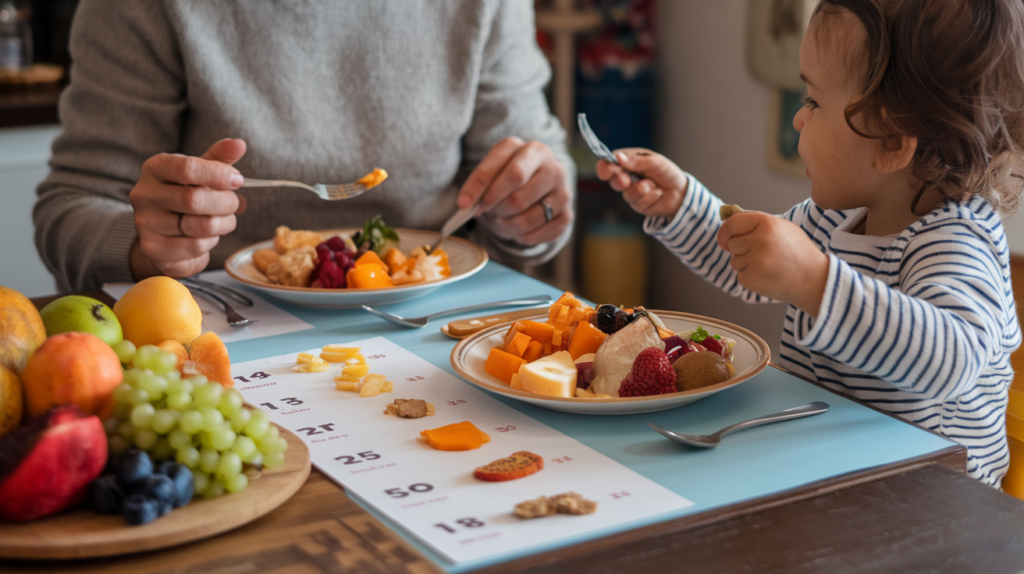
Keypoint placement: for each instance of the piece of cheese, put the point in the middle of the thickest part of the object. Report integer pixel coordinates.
(553, 375)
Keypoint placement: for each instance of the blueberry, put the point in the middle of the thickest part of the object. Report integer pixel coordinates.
(157, 487)
(133, 466)
(184, 487)
(139, 510)
(107, 495)
(606, 318)
(165, 467)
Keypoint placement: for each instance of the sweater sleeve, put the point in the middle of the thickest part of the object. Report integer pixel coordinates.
(691, 235)
(510, 102)
(935, 334)
(123, 105)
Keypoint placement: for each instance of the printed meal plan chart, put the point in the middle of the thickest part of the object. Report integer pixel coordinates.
(432, 493)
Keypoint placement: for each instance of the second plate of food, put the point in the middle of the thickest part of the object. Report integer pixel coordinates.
(464, 257)
(750, 355)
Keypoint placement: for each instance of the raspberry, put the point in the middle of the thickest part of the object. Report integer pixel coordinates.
(652, 374)
(331, 275)
(324, 252)
(336, 244)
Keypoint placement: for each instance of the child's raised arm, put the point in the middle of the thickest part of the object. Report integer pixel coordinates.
(659, 192)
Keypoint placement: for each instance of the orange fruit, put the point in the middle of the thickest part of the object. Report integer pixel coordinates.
(74, 368)
(157, 309)
(208, 356)
(172, 346)
(10, 400)
(23, 329)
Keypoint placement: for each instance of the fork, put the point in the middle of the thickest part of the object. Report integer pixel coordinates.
(342, 191)
(235, 319)
(596, 145)
(422, 321)
(237, 296)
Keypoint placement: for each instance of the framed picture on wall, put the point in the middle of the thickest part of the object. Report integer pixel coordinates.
(782, 136)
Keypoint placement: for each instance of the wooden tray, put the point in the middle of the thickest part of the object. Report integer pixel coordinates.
(84, 533)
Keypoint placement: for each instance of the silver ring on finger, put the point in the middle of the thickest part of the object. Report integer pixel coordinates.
(181, 230)
(548, 212)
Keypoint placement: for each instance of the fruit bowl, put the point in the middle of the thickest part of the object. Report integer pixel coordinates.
(464, 257)
(750, 355)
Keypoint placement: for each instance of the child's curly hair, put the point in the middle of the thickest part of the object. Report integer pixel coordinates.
(951, 74)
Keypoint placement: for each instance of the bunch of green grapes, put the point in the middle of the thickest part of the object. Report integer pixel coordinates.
(198, 423)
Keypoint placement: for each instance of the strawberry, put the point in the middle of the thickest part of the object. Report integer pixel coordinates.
(652, 374)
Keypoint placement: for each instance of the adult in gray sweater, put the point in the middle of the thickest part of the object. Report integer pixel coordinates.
(173, 102)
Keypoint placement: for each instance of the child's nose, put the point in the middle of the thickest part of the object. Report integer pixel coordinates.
(800, 119)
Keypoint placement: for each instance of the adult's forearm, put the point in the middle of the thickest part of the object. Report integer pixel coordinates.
(84, 240)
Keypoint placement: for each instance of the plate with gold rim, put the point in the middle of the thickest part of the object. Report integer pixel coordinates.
(464, 257)
(750, 355)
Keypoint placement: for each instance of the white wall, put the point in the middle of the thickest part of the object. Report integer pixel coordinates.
(714, 124)
(23, 156)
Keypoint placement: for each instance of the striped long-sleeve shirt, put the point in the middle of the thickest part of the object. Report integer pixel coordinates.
(920, 324)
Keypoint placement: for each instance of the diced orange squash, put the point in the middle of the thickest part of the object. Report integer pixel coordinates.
(514, 328)
(368, 276)
(548, 349)
(570, 300)
(538, 331)
(518, 345)
(371, 257)
(458, 436)
(586, 339)
(502, 365)
(394, 259)
(534, 351)
(553, 311)
(373, 178)
(556, 337)
(563, 317)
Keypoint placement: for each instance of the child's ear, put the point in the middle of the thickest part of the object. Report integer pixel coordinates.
(889, 158)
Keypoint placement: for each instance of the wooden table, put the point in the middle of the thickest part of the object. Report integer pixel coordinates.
(917, 515)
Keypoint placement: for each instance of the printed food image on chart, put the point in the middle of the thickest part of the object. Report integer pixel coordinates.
(462, 472)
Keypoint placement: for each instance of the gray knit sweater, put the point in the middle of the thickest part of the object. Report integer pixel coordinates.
(320, 91)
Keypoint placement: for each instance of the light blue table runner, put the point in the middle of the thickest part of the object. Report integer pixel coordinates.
(748, 465)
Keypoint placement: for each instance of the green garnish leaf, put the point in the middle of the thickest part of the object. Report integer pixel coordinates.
(375, 235)
(699, 334)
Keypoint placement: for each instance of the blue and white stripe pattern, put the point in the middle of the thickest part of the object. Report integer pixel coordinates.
(922, 328)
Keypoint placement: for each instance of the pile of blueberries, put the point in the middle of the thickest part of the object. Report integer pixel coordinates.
(136, 489)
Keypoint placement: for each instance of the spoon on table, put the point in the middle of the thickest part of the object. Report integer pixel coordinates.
(713, 440)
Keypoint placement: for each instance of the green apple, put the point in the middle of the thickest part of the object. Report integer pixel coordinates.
(82, 314)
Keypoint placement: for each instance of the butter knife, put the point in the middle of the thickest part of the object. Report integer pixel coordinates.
(462, 328)
(454, 223)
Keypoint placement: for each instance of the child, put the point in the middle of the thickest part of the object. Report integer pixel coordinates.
(896, 269)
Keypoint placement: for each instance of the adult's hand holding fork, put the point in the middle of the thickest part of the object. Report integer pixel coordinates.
(183, 204)
(523, 192)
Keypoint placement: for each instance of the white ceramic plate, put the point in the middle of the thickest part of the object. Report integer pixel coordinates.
(464, 257)
(750, 355)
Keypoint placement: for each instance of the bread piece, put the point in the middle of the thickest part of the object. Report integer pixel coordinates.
(573, 503)
(726, 211)
(536, 508)
(520, 464)
(262, 258)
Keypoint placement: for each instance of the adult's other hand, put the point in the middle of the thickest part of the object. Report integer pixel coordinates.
(523, 191)
(183, 204)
